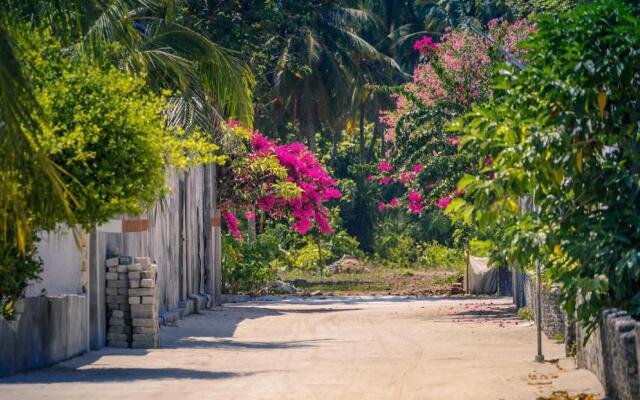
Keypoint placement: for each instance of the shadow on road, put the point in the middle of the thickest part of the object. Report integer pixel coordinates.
(101, 375)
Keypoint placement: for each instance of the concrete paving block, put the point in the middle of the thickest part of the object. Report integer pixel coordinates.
(124, 307)
(134, 275)
(113, 269)
(112, 306)
(148, 300)
(122, 276)
(123, 291)
(117, 337)
(143, 307)
(143, 314)
(134, 299)
(111, 262)
(118, 284)
(120, 329)
(148, 274)
(116, 321)
(124, 260)
(135, 267)
(142, 292)
(144, 261)
(123, 269)
(143, 322)
(111, 276)
(147, 283)
(150, 268)
(144, 337)
(134, 284)
(145, 330)
(116, 299)
(117, 314)
(111, 291)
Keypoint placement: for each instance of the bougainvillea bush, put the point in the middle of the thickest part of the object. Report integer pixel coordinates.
(454, 74)
(564, 133)
(281, 181)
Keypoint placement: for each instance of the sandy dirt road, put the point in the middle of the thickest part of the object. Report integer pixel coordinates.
(336, 348)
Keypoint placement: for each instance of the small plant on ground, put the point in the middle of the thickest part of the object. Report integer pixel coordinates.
(525, 313)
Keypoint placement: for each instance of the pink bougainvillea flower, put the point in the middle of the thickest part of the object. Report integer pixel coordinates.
(386, 180)
(385, 166)
(380, 206)
(250, 215)
(371, 178)
(413, 197)
(425, 45)
(444, 202)
(407, 177)
(415, 207)
(394, 202)
(417, 168)
(260, 144)
(232, 224)
(454, 141)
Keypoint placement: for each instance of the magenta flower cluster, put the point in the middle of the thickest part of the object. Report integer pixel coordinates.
(425, 45)
(305, 172)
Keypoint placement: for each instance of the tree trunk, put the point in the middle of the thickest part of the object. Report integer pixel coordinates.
(334, 146)
(309, 132)
(361, 142)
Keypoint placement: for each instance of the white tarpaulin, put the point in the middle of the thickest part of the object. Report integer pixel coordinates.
(479, 278)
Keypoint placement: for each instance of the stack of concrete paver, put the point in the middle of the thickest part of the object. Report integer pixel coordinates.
(119, 323)
(142, 299)
(131, 303)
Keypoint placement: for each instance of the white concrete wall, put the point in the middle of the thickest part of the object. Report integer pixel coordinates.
(65, 263)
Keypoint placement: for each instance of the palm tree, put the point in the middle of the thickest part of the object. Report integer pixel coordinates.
(323, 59)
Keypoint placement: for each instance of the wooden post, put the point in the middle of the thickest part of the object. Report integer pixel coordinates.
(216, 227)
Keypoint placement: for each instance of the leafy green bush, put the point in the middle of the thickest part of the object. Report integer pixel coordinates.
(17, 269)
(565, 133)
(246, 267)
(435, 255)
(396, 250)
(104, 129)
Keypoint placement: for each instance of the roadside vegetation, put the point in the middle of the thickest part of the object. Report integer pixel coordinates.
(398, 134)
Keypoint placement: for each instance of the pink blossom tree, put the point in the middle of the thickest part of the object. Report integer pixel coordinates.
(454, 73)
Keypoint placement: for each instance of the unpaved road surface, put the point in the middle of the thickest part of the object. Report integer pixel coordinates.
(336, 348)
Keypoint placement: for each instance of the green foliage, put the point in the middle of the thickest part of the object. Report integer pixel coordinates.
(17, 269)
(565, 134)
(525, 313)
(104, 129)
(248, 266)
(435, 255)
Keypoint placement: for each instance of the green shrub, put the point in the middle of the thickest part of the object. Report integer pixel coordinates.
(525, 313)
(396, 250)
(17, 270)
(435, 255)
(246, 267)
(104, 128)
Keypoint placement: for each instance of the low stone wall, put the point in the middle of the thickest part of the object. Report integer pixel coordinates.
(554, 319)
(43, 331)
(612, 353)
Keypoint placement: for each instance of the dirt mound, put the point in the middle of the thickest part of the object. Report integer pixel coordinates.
(348, 264)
